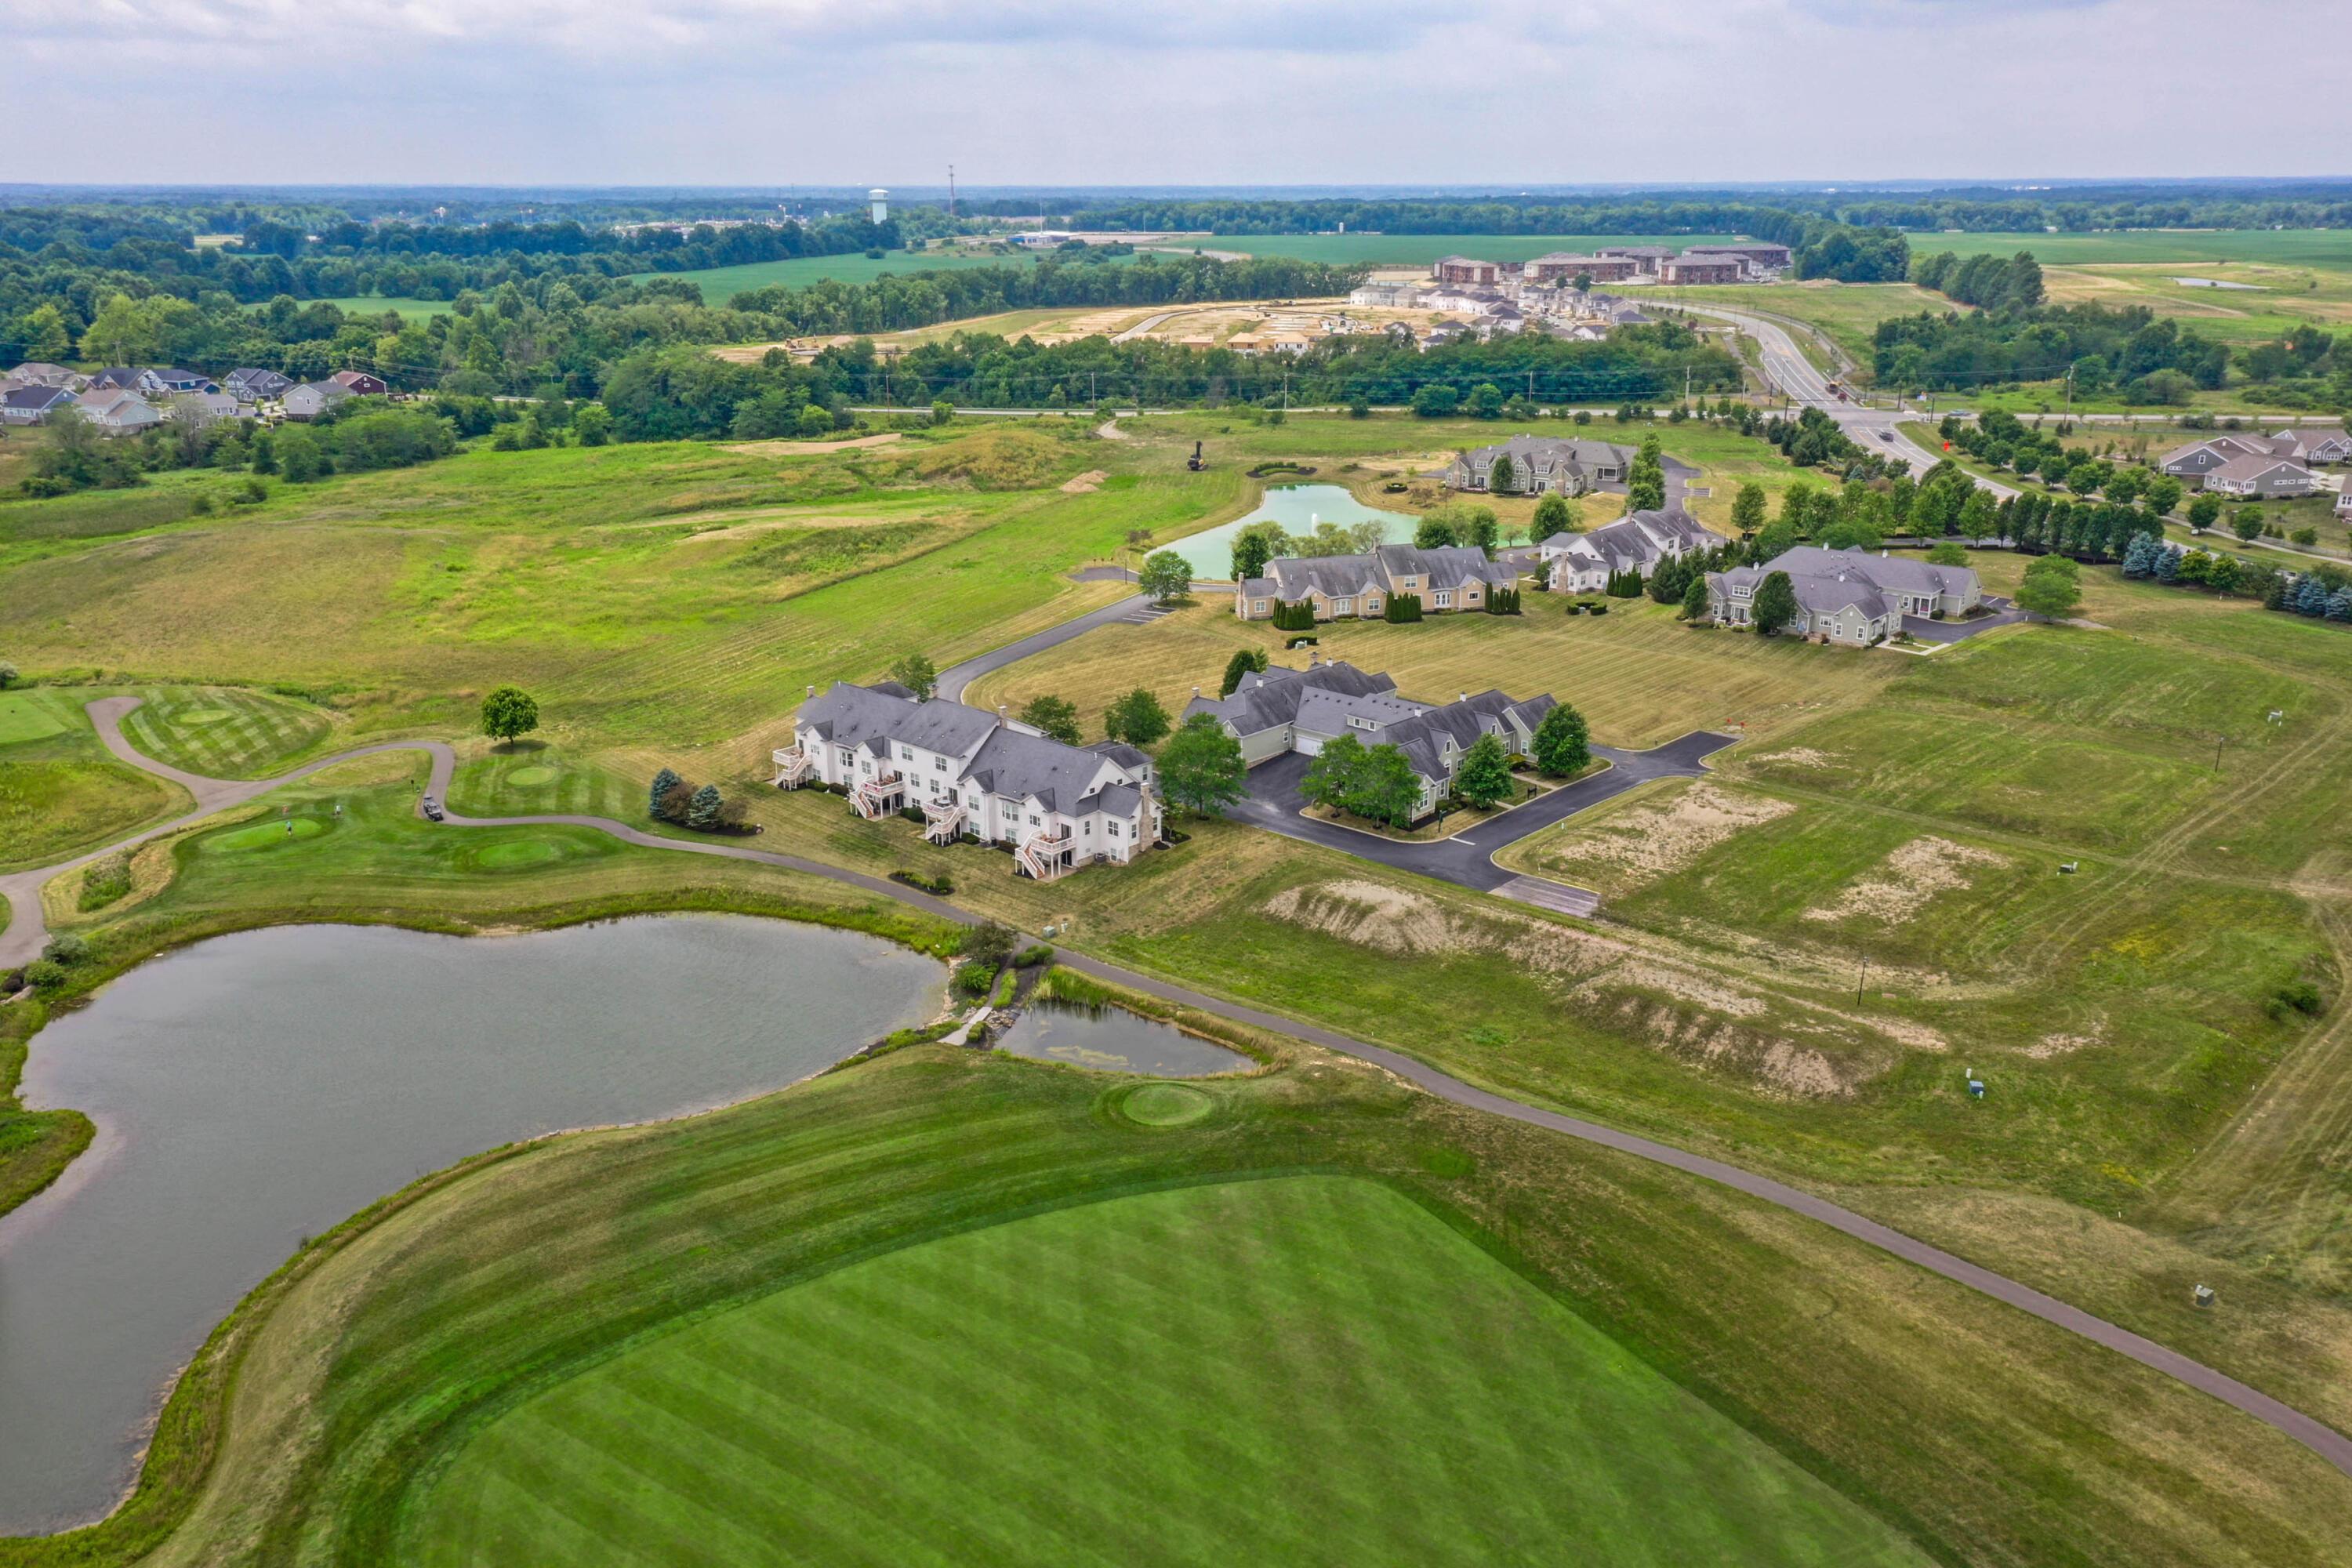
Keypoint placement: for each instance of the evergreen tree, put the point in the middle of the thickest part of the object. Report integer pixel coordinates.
(1245, 660)
(2311, 598)
(702, 811)
(1667, 582)
(1775, 604)
(664, 782)
(1695, 599)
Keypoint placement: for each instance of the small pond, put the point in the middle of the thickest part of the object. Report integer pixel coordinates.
(1299, 508)
(256, 1089)
(1112, 1039)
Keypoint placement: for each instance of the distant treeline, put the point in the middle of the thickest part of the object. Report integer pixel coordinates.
(1985, 282)
(2157, 359)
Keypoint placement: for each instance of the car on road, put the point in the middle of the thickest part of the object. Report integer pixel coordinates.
(1887, 435)
(433, 808)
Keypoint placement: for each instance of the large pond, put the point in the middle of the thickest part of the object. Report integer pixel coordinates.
(1299, 508)
(255, 1090)
(1113, 1039)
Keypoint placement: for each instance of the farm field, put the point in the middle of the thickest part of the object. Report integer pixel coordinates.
(720, 284)
(1399, 250)
(377, 304)
(1559, 1434)
(525, 1274)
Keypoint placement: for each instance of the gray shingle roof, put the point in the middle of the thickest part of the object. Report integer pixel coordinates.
(1268, 700)
(850, 715)
(1828, 581)
(1000, 758)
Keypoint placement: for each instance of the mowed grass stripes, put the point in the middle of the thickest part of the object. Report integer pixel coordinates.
(1303, 1370)
(225, 732)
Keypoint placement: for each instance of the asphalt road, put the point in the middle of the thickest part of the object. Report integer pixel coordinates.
(2321, 1438)
(1466, 859)
(956, 676)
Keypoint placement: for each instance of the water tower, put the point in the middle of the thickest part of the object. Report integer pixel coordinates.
(877, 205)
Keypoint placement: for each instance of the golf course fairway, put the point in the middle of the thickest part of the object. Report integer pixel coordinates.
(1306, 1369)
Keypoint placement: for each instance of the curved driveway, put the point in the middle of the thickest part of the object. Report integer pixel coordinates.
(2322, 1439)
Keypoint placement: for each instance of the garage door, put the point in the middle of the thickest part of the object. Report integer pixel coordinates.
(1310, 745)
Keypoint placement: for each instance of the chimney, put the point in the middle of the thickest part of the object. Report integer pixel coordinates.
(999, 712)
(812, 690)
(1196, 694)
(1461, 697)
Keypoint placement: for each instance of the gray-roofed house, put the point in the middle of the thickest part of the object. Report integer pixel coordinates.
(1847, 595)
(1281, 710)
(1638, 542)
(2266, 477)
(974, 773)
(204, 405)
(116, 412)
(41, 372)
(1451, 577)
(31, 404)
(2199, 458)
(249, 383)
(170, 381)
(2313, 443)
(1543, 463)
(312, 398)
(116, 378)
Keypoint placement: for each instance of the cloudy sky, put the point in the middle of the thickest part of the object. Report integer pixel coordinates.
(773, 92)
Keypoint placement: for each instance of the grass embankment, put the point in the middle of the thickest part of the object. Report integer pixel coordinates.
(59, 791)
(391, 1372)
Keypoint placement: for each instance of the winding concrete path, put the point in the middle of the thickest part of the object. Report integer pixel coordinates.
(956, 676)
(212, 795)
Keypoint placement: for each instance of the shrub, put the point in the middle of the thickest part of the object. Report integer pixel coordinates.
(105, 883)
(1401, 608)
(45, 974)
(1035, 953)
(989, 942)
(1289, 644)
(974, 979)
(1503, 601)
(2295, 996)
(65, 948)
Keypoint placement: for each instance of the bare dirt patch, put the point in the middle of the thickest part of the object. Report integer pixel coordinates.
(1080, 484)
(1797, 757)
(1915, 872)
(1658, 836)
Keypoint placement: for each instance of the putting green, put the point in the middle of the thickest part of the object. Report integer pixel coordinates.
(1166, 1105)
(516, 852)
(22, 719)
(1304, 1370)
(200, 716)
(530, 778)
(272, 830)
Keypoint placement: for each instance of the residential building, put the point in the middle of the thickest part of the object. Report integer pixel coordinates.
(1563, 267)
(1451, 577)
(117, 378)
(2267, 478)
(1688, 268)
(171, 383)
(41, 372)
(1466, 269)
(1386, 296)
(31, 404)
(312, 398)
(1639, 541)
(2344, 503)
(1648, 258)
(975, 774)
(117, 412)
(1281, 711)
(249, 385)
(359, 383)
(1759, 257)
(1543, 463)
(205, 406)
(2312, 444)
(1847, 595)
(2199, 458)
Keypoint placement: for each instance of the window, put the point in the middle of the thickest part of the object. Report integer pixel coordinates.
(938, 765)
(1343, 606)
(1032, 819)
(1357, 723)
(1259, 607)
(905, 753)
(973, 802)
(846, 757)
(1443, 601)
(1114, 830)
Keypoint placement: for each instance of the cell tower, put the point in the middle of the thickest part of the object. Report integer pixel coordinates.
(952, 190)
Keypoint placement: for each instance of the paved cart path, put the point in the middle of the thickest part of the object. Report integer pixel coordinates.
(212, 795)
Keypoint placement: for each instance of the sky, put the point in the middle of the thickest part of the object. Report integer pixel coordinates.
(1169, 92)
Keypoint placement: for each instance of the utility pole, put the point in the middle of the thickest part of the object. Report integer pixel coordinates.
(2070, 391)
(951, 212)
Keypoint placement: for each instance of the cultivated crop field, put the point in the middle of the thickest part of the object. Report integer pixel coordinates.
(1399, 250)
(720, 284)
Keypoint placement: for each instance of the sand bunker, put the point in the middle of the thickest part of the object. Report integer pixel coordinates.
(1079, 484)
(1915, 873)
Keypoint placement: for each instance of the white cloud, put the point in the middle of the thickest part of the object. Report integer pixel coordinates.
(1144, 91)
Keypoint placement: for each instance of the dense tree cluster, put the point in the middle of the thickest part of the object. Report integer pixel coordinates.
(2156, 360)
(1986, 281)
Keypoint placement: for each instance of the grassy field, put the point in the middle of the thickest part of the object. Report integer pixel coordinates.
(1394, 250)
(227, 733)
(377, 304)
(403, 1369)
(1113, 1329)
(720, 284)
(59, 791)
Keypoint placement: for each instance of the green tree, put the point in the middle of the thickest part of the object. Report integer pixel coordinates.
(2204, 512)
(1979, 515)
(941, 411)
(1054, 716)
(664, 782)
(1646, 481)
(1244, 661)
(2162, 494)
(1503, 478)
(1137, 719)
(1563, 743)
(702, 811)
(1386, 789)
(1200, 768)
(43, 333)
(1166, 575)
(1252, 550)
(2248, 523)
(1695, 598)
(916, 673)
(2051, 588)
(1775, 604)
(8, 675)
(1435, 532)
(592, 424)
(813, 423)
(1483, 777)
(1552, 516)
(508, 713)
(1748, 510)
(301, 459)
(1331, 776)
(1947, 552)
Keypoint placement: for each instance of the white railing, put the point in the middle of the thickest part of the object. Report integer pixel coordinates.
(868, 796)
(943, 820)
(1040, 854)
(793, 767)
